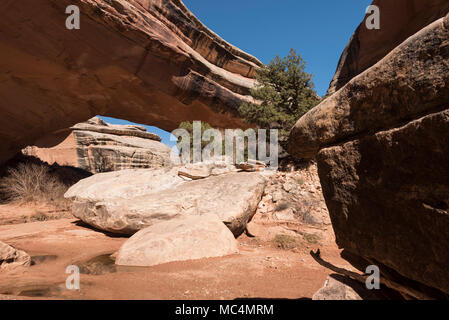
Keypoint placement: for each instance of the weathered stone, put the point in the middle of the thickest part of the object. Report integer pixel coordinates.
(130, 200)
(286, 215)
(277, 196)
(125, 184)
(96, 146)
(340, 287)
(382, 153)
(336, 290)
(411, 81)
(294, 194)
(97, 125)
(399, 20)
(195, 172)
(149, 62)
(388, 195)
(12, 258)
(179, 239)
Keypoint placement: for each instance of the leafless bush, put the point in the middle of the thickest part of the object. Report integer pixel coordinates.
(32, 182)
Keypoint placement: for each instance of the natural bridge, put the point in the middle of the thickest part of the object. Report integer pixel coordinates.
(151, 62)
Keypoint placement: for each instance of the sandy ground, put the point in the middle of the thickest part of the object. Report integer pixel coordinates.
(14, 213)
(261, 270)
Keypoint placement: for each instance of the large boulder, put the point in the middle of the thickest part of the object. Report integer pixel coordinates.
(179, 239)
(333, 289)
(409, 83)
(11, 257)
(130, 200)
(96, 146)
(149, 62)
(382, 153)
(399, 20)
(338, 287)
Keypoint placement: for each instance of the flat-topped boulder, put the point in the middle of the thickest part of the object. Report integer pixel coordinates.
(98, 125)
(127, 201)
(179, 239)
(382, 153)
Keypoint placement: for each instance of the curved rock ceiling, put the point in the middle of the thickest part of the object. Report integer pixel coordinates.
(150, 62)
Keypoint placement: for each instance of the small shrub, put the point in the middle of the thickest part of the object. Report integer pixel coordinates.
(39, 216)
(32, 182)
(311, 238)
(286, 242)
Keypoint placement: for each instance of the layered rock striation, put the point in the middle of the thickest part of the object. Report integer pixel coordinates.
(150, 62)
(96, 146)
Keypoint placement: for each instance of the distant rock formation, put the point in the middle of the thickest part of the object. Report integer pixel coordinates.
(150, 62)
(382, 153)
(96, 146)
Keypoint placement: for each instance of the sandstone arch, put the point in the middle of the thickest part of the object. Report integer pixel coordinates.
(146, 61)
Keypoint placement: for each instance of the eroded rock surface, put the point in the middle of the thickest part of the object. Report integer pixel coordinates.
(149, 62)
(11, 257)
(179, 239)
(295, 195)
(96, 146)
(337, 290)
(130, 200)
(399, 19)
(381, 147)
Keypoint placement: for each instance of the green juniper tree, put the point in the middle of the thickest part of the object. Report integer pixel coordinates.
(284, 93)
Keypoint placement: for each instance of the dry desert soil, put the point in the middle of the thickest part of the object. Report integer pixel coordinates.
(261, 270)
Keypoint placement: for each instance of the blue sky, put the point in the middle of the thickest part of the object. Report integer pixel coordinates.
(318, 30)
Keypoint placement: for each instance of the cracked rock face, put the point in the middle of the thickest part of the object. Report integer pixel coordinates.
(127, 201)
(382, 153)
(96, 146)
(149, 62)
